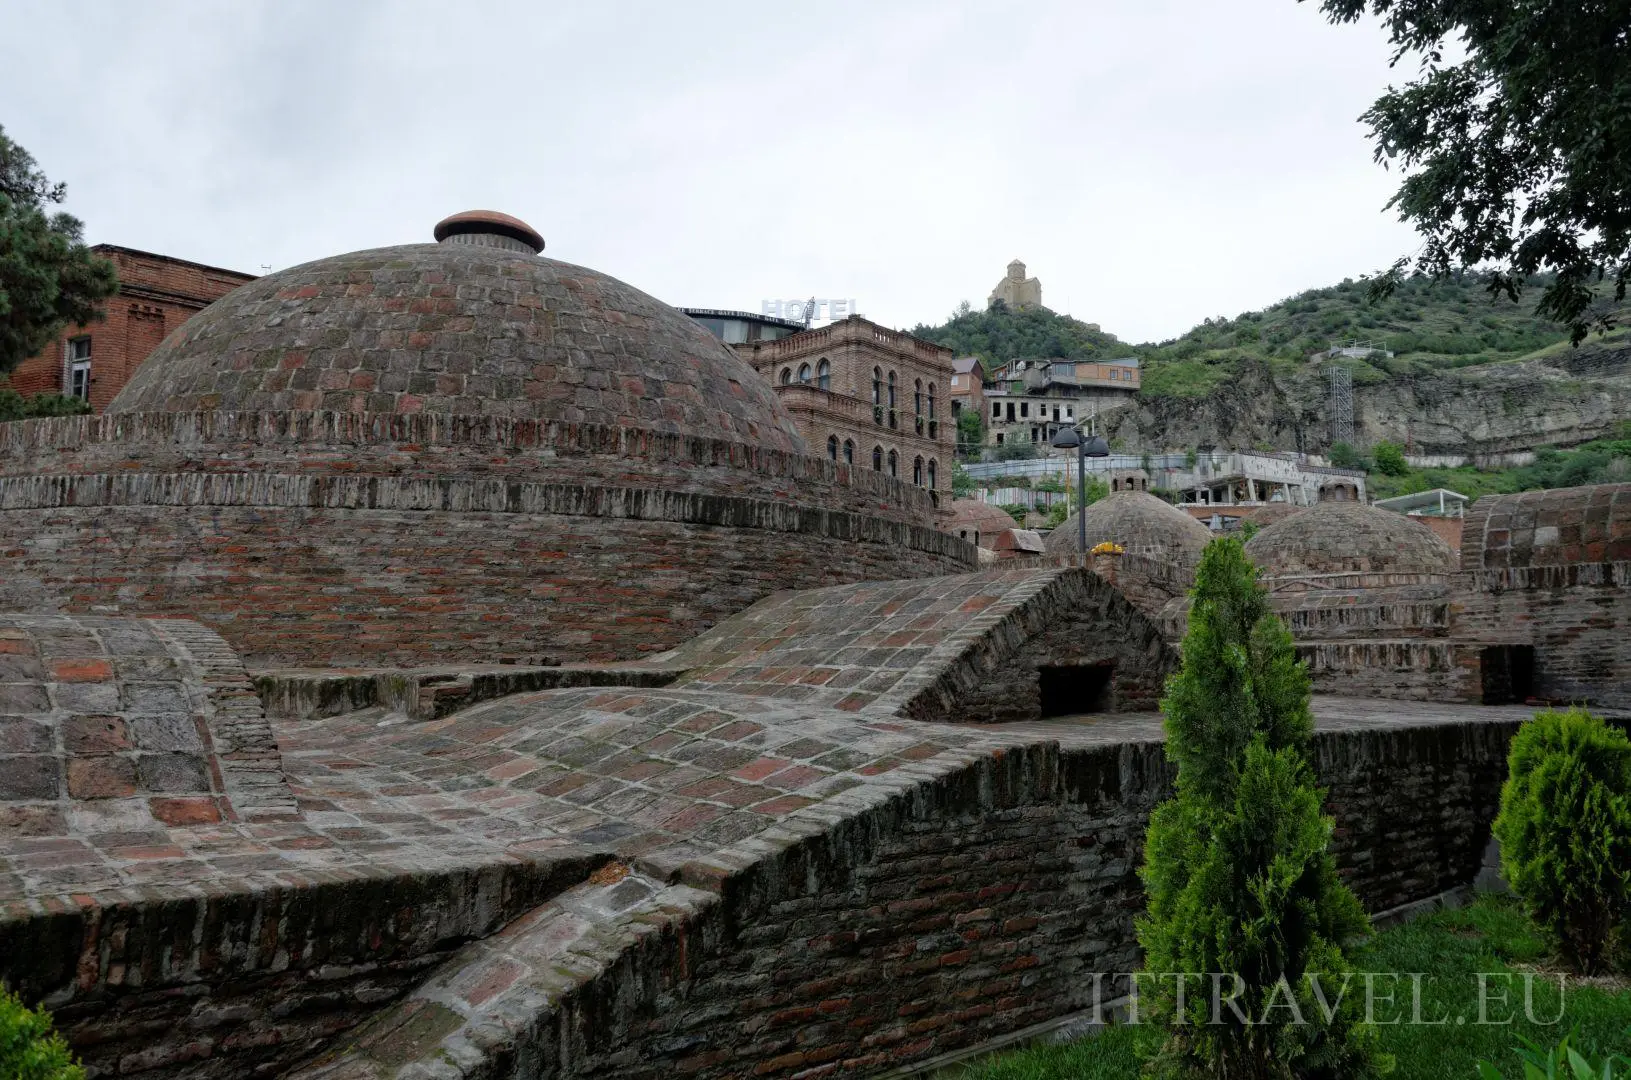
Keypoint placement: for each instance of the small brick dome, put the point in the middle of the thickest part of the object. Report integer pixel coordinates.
(1141, 523)
(971, 518)
(474, 325)
(1270, 513)
(1349, 537)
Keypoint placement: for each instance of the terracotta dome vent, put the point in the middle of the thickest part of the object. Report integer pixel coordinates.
(489, 228)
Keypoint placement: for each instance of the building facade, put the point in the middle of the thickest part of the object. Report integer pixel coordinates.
(867, 396)
(967, 385)
(157, 293)
(1029, 400)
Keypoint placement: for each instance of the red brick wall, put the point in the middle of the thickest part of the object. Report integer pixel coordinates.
(156, 295)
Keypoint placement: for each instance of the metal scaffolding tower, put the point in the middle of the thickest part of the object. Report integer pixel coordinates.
(1342, 404)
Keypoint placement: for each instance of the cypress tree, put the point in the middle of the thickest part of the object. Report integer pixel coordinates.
(1243, 894)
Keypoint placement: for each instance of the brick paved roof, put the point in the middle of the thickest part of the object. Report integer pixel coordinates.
(1140, 523)
(1339, 537)
(460, 329)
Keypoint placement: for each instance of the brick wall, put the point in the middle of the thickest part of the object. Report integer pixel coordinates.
(156, 295)
(1552, 570)
(323, 539)
(967, 905)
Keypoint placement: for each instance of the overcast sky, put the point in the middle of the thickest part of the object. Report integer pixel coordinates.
(1154, 162)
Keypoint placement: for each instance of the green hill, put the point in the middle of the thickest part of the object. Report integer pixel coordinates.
(1429, 327)
(1470, 375)
(999, 334)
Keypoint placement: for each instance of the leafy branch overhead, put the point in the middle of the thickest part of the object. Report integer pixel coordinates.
(1515, 138)
(48, 277)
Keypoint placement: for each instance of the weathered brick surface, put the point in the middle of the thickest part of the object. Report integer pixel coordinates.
(1348, 537)
(1141, 523)
(118, 726)
(459, 329)
(1552, 569)
(961, 649)
(487, 552)
(928, 910)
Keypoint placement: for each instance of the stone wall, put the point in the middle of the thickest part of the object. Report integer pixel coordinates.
(883, 929)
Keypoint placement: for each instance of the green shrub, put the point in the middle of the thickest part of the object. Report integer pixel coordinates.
(1565, 830)
(1390, 460)
(1561, 1062)
(14, 406)
(1236, 868)
(29, 1049)
(1017, 511)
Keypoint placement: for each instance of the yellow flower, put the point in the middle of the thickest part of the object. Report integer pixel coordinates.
(1109, 548)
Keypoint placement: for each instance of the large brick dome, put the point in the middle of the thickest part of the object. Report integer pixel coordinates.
(461, 327)
(1349, 537)
(1141, 523)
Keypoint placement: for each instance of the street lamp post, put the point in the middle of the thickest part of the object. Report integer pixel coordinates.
(1092, 446)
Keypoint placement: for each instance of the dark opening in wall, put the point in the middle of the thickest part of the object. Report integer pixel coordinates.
(1508, 673)
(1081, 688)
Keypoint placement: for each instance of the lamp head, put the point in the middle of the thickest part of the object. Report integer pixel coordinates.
(1096, 447)
(1066, 438)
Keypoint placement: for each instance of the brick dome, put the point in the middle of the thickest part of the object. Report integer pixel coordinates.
(476, 325)
(979, 522)
(1349, 537)
(1141, 523)
(1271, 513)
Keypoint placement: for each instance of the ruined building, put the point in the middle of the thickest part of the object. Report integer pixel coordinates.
(443, 661)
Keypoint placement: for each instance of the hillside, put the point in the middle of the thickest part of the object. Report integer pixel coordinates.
(999, 334)
(1470, 375)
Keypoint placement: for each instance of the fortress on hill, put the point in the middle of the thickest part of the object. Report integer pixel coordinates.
(446, 661)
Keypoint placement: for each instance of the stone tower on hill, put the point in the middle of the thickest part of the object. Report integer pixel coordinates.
(1016, 290)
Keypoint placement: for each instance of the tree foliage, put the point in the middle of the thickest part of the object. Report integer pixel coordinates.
(1390, 459)
(48, 277)
(1517, 152)
(1000, 333)
(29, 1049)
(1239, 878)
(1565, 830)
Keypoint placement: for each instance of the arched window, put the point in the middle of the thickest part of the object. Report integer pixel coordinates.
(917, 472)
(894, 465)
(931, 401)
(832, 447)
(824, 374)
(804, 373)
(917, 397)
(891, 389)
(877, 459)
(932, 471)
(787, 375)
(877, 386)
(849, 451)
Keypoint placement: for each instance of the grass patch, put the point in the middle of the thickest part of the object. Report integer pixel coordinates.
(1450, 948)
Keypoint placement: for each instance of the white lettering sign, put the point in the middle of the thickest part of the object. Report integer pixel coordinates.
(826, 310)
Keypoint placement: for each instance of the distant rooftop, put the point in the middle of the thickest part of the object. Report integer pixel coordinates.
(1438, 502)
